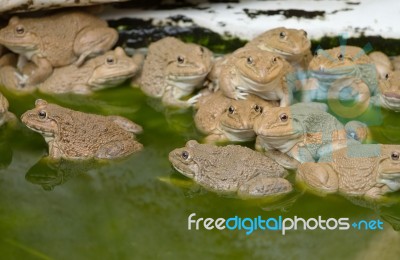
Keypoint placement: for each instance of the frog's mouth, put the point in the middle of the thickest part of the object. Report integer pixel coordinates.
(333, 74)
(283, 143)
(291, 54)
(186, 81)
(182, 167)
(238, 134)
(46, 134)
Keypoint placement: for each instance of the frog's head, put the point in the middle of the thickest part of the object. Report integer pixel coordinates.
(259, 67)
(389, 167)
(337, 62)
(113, 68)
(188, 66)
(40, 119)
(19, 37)
(284, 41)
(183, 159)
(389, 88)
(278, 123)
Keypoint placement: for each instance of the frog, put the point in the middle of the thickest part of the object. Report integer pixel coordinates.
(365, 170)
(173, 69)
(299, 134)
(104, 71)
(340, 67)
(395, 60)
(388, 96)
(56, 40)
(231, 170)
(252, 71)
(5, 115)
(382, 63)
(292, 44)
(224, 119)
(75, 135)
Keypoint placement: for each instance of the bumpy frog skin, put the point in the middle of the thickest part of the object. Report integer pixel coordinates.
(382, 63)
(173, 69)
(225, 119)
(56, 40)
(389, 92)
(298, 132)
(395, 62)
(107, 70)
(76, 135)
(5, 115)
(369, 170)
(230, 169)
(291, 44)
(262, 73)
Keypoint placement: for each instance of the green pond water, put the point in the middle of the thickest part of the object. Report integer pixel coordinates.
(138, 207)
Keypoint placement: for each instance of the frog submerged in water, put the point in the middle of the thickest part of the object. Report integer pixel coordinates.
(76, 135)
(173, 69)
(231, 169)
(252, 71)
(56, 40)
(225, 119)
(368, 170)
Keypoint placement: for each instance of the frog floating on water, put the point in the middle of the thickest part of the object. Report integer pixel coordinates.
(56, 40)
(225, 119)
(231, 169)
(76, 135)
(368, 170)
(173, 69)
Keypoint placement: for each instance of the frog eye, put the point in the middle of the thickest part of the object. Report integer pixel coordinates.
(283, 117)
(394, 156)
(282, 35)
(42, 114)
(185, 155)
(19, 29)
(231, 110)
(180, 59)
(250, 60)
(340, 56)
(258, 109)
(305, 33)
(110, 60)
(274, 60)
(201, 50)
(386, 76)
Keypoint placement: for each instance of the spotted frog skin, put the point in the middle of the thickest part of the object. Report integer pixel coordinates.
(76, 135)
(225, 119)
(292, 44)
(252, 71)
(367, 170)
(231, 169)
(173, 69)
(56, 40)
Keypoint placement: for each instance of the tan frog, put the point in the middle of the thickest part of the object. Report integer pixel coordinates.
(5, 115)
(76, 135)
(395, 62)
(56, 40)
(252, 71)
(107, 70)
(225, 119)
(291, 44)
(230, 169)
(389, 92)
(173, 69)
(368, 170)
(382, 63)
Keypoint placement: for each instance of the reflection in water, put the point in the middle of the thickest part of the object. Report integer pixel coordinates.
(6, 154)
(50, 173)
(392, 216)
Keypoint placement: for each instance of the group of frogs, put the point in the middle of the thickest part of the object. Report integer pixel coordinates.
(247, 95)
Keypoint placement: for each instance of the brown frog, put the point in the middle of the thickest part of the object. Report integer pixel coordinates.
(225, 119)
(382, 63)
(389, 92)
(252, 71)
(173, 69)
(230, 169)
(56, 40)
(76, 135)
(5, 115)
(107, 70)
(291, 44)
(368, 170)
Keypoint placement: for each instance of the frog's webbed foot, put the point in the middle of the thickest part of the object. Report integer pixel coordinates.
(319, 177)
(282, 159)
(169, 99)
(376, 193)
(262, 186)
(126, 124)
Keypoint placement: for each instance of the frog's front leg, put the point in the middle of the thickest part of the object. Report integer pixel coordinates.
(94, 41)
(171, 98)
(227, 84)
(39, 73)
(319, 177)
(261, 186)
